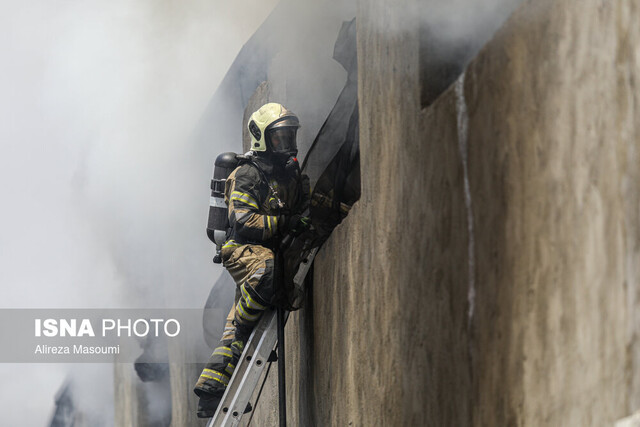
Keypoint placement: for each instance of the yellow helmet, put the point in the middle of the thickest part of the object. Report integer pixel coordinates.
(273, 129)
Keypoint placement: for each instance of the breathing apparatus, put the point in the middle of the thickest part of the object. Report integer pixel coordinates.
(218, 221)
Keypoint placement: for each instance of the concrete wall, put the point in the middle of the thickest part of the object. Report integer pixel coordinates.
(554, 139)
(489, 274)
(127, 399)
(512, 301)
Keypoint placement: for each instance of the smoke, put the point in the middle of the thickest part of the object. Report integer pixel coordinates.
(91, 388)
(98, 102)
(293, 51)
(303, 74)
(451, 34)
(457, 20)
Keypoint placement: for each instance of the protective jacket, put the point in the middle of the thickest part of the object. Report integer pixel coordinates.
(257, 194)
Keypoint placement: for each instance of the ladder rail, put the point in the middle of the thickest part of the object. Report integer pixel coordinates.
(253, 360)
(247, 373)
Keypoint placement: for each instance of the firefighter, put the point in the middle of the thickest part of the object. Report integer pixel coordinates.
(265, 198)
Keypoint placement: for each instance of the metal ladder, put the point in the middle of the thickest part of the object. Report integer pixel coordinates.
(254, 358)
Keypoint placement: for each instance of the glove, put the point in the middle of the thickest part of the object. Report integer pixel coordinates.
(295, 224)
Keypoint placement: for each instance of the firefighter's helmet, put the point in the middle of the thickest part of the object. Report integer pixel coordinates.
(273, 129)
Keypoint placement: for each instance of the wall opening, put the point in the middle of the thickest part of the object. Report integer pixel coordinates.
(441, 62)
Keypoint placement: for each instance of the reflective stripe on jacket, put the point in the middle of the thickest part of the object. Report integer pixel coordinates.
(253, 207)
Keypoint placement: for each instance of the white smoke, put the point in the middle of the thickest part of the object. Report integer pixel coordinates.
(459, 19)
(98, 102)
(456, 21)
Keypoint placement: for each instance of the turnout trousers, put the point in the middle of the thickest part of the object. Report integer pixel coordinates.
(252, 268)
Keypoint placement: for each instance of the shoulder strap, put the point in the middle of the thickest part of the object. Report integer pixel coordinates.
(281, 204)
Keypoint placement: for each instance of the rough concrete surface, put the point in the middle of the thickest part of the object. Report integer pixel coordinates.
(554, 133)
(489, 274)
(127, 397)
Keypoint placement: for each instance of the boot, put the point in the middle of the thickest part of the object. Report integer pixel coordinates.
(208, 404)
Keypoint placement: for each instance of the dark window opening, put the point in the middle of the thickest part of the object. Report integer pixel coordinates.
(442, 60)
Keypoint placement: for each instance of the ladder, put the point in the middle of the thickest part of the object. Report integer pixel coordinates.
(255, 356)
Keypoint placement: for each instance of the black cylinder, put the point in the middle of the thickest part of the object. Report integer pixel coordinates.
(218, 221)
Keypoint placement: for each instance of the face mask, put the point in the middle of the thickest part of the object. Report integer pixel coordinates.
(282, 140)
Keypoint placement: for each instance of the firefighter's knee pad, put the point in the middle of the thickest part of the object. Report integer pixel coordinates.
(265, 287)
